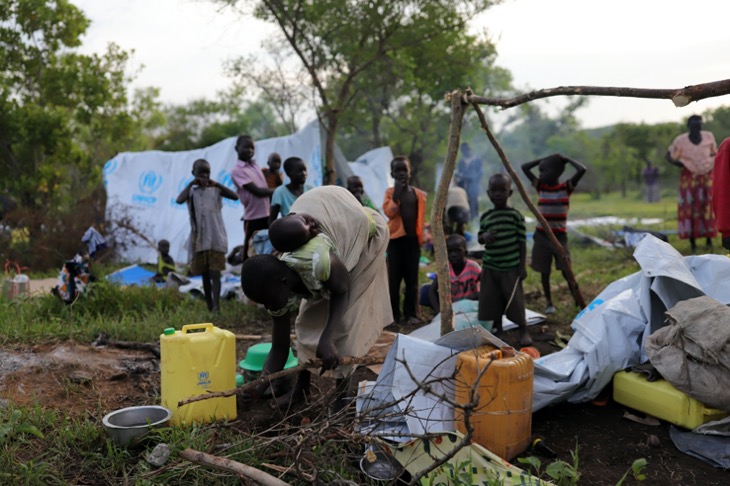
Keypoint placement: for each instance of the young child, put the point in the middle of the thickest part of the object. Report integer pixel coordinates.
(284, 196)
(165, 263)
(253, 191)
(356, 187)
(405, 207)
(272, 174)
(464, 275)
(208, 239)
(502, 232)
(553, 203)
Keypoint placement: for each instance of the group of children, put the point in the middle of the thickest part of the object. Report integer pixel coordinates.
(496, 284)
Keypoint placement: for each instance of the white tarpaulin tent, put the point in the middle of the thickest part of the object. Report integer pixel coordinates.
(142, 187)
(610, 333)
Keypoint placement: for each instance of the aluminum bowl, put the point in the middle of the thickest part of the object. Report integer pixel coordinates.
(127, 426)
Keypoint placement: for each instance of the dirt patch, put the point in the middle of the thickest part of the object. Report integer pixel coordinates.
(79, 378)
(83, 380)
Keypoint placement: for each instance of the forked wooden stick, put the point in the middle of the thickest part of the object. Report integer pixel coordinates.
(315, 363)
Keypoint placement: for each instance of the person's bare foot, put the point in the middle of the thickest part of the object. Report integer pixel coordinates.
(525, 339)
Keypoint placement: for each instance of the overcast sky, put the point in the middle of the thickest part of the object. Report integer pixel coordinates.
(183, 44)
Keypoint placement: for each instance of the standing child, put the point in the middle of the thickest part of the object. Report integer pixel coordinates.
(502, 232)
(553, 203)
(208, 239)
(356, 187)
(253, 191)
(284, 196)
(272, 174)
(464, 275)
(405, 207)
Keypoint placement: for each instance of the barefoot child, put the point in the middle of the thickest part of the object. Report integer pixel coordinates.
(553, 204)
(405, 207)
(208, 239)
(502, 232)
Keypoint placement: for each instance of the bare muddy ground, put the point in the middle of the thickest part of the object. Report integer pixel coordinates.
(87, 381)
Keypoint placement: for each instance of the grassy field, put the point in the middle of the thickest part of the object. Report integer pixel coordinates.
(41, 445)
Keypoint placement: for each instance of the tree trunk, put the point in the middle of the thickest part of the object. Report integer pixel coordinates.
(437, 213)
(330, 174)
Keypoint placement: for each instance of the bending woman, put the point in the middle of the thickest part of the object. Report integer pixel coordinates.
(331, 276)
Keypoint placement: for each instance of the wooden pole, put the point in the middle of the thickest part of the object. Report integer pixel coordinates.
(231, 466)
(572, 284)
(437, 212)
(316, 363)
(679, 96)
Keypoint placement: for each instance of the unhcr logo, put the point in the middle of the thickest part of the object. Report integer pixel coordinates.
(109, 168)
(149, 182)
(204, 379)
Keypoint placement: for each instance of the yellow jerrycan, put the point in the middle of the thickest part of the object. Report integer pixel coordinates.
(200, 358)
(502, 419)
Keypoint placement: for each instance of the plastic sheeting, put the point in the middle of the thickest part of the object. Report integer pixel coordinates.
(610, 332)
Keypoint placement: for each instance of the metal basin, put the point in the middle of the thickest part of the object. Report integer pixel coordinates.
(128, 425)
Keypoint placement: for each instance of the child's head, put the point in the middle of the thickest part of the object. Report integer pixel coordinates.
(500, 189)
(163, 246)
(274, 162)
(201, 170)
(551, 168)
(245, 148)
(400, 168)
(263, 280)
(355, 186)
(296, 170)
(456, 249)
(292, 231)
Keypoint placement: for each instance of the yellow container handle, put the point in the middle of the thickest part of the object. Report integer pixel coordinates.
(208, 326)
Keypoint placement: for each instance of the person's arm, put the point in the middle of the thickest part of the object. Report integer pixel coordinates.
(339, 288)
(225, 192)
(527, 169)
(580, 170)
(673, 161)
(280, 344)
(274, 213)
(185, 193)
(258, 191)
(390, 207)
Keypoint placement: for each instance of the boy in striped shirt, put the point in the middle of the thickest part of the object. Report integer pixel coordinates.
(502, 232)
(553, 203)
